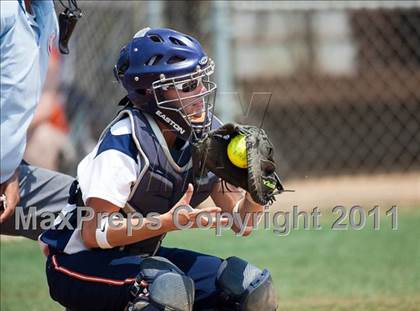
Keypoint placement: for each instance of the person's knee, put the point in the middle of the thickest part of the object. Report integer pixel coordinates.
(245, 286)
(161, 285)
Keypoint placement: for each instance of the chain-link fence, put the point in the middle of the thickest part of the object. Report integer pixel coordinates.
(345, 85)
(344, 77)
(90, 88)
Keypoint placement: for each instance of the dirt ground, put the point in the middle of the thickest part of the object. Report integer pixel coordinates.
(402, 190)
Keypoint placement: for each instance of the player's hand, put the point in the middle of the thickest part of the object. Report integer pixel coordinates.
(183, 214)
(9, 190)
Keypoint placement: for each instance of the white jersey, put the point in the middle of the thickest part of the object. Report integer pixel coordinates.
(112, 167)
(108, 173)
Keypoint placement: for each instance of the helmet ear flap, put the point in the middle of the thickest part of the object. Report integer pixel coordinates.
(122, 64)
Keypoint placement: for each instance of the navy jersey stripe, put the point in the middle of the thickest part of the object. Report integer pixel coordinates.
(59, 238)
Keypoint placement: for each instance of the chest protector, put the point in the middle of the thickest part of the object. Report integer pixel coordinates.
(162, 181)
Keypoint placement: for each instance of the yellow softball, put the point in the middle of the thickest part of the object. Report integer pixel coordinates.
(236, 151)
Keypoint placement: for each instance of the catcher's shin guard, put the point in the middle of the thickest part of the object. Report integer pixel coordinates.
(245, 287)
(161, 285)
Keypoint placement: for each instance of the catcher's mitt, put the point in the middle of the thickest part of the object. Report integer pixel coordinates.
(259, 178)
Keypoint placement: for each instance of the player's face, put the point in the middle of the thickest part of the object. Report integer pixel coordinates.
(191, 95)
(186, 95)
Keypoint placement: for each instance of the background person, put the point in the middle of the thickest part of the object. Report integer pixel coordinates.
(29, 30)
(48, 141)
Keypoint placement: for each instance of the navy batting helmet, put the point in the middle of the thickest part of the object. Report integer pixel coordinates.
(161, 59)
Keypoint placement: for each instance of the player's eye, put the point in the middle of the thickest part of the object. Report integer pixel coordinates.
(184, 87)
(188, 86)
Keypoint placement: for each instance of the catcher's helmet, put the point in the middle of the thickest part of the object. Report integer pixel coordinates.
(156, 60)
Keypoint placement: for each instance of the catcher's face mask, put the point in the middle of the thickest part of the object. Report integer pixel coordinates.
(188, 99)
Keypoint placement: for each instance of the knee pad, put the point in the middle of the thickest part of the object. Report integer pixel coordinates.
(160, 285)
(245, 287)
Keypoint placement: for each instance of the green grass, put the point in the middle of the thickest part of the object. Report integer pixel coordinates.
(23, 281)
(312, 270)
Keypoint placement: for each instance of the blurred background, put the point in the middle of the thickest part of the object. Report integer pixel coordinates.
(336, 85)
(341, 80)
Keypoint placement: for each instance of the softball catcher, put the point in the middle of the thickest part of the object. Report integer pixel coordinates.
(165, 149)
